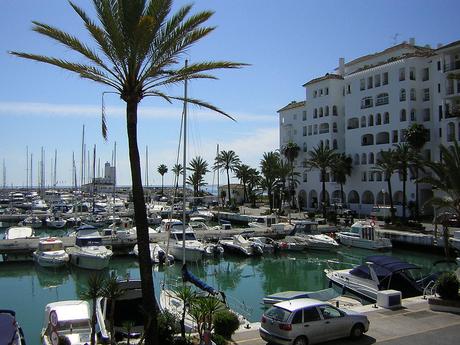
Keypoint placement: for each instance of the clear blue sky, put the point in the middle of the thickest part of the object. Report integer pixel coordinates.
(286, 42)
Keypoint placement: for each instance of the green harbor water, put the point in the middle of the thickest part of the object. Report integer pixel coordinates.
(27, 288)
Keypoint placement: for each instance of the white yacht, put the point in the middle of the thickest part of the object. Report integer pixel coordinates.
(268, 244)
(19, 232)
(55, 222)
(126, 308)
(239, 245)
(88, 251)
(157, 254)
(362, 234)
(70, 319)
(33, 221)
(202, 212)
(305, 235)
(10, 331)
(50, 253)
(169, 224)
(262, 222)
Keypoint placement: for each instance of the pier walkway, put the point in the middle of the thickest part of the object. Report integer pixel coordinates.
(414, 324)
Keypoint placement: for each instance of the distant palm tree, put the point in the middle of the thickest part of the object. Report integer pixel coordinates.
(162, 170)
(227, 160)
(404, 155)
(417, 136)
(242, 172)
(322, 158)
(139, 45)
(291, 152)
(94, 290)
(177, 170)
(269, 166)
(342, 168)
(387, 165)
(199, 167)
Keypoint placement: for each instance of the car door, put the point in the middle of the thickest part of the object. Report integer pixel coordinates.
(312, 324)
(335, 323)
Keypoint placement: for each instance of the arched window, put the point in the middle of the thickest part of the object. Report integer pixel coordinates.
(413, 116)
(402, 115)
(334, 144)
(334, 110)
(371, 158)
(371, 120)
(378, 121)
(315, 114)
(413, 96)
(327, 110)
(386, 118)
(321, 112)
(363, 158)
(334, 127)
(363, 121)
(402, 95)
(381, 99)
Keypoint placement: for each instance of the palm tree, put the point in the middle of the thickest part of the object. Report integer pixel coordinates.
(403, 155)
(94, 290)
(227, 160)
(342, 168)
(200, 168)
(283, 172)
(253, 183)
(291, 152)
(187, 296)
(111, 290)
(322, 158)
(162, 170)
(242, 172)
(139, 45)
(269, 166)
(416, 136)
(387, 165)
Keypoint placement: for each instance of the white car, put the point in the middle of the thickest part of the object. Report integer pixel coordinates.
(307, 321)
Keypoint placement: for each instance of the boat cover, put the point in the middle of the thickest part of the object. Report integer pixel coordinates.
(383, 266)
(187, 276)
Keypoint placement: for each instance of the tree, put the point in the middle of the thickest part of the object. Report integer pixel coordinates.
(387, 165)
(111, 290)
(139, 46)
(199, 167)
(291, 152)
(187, 296)
(269, 167)
(403, 155)
(253, 183)
(342, 168)
(202, 311)
(322, 158)
(227, 160)
(242, 172)
(162, 170)
(177, 170)
(416, 136)
(283, 171)
(94, 290)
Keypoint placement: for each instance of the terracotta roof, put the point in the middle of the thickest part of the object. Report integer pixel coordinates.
(450, 45)
(292, 105)
(327, 76)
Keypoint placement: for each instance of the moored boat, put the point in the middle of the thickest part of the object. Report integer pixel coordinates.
(10, 331)
(157, 254)
(50, 253)
(239, 245)
(89, 252)
(363, 235)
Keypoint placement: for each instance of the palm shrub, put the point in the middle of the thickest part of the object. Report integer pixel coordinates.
(448, 285)
(167, 328)
(225, 323)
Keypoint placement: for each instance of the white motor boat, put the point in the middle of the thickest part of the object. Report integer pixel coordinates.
(39, 205)
(10, 331)
(153, 218)
(33, 221)
(239, 245)
(88, 251)
(202, 212)
(268, 244)
(70, 319)
(126, 308)
(19, 232)
(169, 224)
(362, 234)
(380, 272)
(50, 253)
(305, 235)
(55, 222)
(157, 254)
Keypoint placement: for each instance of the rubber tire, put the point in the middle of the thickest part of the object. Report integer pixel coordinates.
(357, 331)
(301, 340)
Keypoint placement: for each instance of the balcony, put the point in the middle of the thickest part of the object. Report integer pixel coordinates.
(452, 66)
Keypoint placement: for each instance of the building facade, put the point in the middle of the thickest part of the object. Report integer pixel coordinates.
(364, 107)
(104, 184)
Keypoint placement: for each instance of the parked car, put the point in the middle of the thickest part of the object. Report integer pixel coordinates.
(308, 321)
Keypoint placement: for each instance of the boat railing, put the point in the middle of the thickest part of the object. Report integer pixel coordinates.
(239, 306)
(338, 263)
(430, 289)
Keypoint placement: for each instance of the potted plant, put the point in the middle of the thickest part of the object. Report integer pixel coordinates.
(447, 287)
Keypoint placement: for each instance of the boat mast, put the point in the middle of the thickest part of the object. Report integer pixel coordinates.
(94, 172)
(55, 164)
(82, 156)
(218, 196)
(27, 167)
(31, 168)
(184, 172)
(4, 174)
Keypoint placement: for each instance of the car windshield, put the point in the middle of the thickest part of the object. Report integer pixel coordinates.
(278, 314)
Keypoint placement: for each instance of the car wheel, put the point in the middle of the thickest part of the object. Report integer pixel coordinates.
(300, 341)
(357, 331)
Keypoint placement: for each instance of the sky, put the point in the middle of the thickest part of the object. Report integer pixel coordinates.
(286, 43)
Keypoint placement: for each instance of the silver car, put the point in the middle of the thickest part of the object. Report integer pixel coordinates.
(307, 321)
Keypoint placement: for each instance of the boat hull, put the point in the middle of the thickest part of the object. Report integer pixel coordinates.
(96, 261)
(191, 254)
(380, 244)
(51, 261)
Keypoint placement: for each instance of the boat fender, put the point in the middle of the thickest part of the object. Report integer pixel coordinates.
(284, 245)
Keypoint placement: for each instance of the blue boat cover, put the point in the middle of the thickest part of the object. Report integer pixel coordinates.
(187, 276)
(86, 227)
(383, 266)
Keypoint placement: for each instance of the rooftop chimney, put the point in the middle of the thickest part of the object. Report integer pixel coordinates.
(412, 41)
(341, 66)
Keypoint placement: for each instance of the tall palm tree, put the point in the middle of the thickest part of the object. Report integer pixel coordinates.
(94, 290)
(111, 290)
(283, 172)
(416, 136)
(291, 152)
(227, 160)
(404, 155)
(242, 172)
(269, 166)
(199, 167)
(387, 165)
(322, 158)
(342, 168)
(253, 183)
(177, 170)
(138, 47)
(162, 170)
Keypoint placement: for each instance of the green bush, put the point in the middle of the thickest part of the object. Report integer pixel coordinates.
(218, 339)
(311, 215)
(225, 323)
(448, 285)
(167, 327)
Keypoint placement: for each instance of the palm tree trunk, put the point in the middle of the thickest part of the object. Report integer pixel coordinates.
(140, 216)
(392, 210)
(341, 193)
(404, 198)
(228, 186)
(161, 184)
(245, 193)
(93, 323)
(323, 199)
(416, 194)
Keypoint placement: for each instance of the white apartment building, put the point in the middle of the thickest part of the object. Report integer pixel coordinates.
(364, 107)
